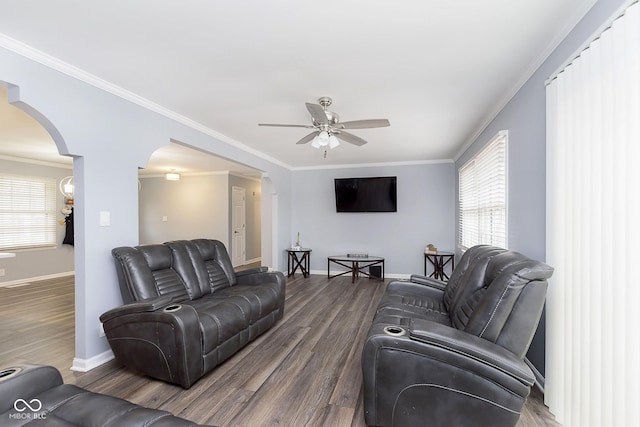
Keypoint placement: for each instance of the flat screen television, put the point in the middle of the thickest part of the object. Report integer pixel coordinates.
(377, 194)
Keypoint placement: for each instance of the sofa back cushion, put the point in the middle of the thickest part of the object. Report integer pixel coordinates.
(214, 265)
(459, 275)
(471, 278)
(185, 262)
(507, 307)
(147, 272)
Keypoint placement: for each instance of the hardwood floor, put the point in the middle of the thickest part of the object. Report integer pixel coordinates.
(305, 371)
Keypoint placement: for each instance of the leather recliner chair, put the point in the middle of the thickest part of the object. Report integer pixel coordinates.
(34, 395)
(452, 354)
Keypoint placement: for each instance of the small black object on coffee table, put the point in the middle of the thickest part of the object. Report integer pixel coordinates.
(355, 264)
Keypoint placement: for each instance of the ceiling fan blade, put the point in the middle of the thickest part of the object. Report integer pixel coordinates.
(286, 126)
(351, 138)
(317, 112)
(307, 138)
(365, 124)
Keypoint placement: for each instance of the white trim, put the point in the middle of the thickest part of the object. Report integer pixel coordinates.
(77, 73)
(38, 162)
(84, 365)
(34, 279)
(370, 165)
(579, 14)
(251, 261)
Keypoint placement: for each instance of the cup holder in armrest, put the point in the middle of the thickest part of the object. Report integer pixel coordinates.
(171, 308)
(9, 372)
(395, 331)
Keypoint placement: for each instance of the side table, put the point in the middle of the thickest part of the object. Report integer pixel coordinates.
(439, 260)
(298, 258)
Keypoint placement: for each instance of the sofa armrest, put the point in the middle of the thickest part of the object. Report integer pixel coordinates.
(256, 276)
(25, 382)
(261, 269)
(426, 370)
(428, 281)
(489, 354)
(161, 338)
(148, 305)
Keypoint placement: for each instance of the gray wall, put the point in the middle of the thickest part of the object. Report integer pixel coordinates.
(425, 215)
(33, 263)
(525, 119)
(194, 207)
(110, 136)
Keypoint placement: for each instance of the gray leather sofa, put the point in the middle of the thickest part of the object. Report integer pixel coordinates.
(452, 354)
(186, 310)
(34, 395)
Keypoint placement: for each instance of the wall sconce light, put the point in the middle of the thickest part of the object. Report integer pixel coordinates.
(172, 176)
(66, 187)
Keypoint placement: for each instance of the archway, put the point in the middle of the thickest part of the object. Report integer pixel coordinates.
(43, 266)
(197, 203)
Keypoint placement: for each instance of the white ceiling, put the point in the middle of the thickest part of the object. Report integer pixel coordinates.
(439, 71)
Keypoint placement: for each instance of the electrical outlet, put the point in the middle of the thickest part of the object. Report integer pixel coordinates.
(1, 272)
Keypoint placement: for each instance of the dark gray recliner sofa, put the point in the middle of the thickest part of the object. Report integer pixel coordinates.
(186, 310)
(34, 395)
(452, 354)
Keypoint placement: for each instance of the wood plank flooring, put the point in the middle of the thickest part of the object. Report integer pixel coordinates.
(305, 371)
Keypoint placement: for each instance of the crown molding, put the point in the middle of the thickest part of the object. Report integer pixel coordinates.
(36, 162)
(530, 71)
(56, 64)
(371, 165)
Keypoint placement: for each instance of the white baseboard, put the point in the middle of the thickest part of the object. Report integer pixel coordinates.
(251, 261)
(539, 382)
(84, 365)
(35, 279)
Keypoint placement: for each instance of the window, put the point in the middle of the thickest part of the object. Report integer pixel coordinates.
(27, 211)
(482, 193)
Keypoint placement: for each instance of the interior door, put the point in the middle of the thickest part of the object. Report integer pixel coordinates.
(238, 210)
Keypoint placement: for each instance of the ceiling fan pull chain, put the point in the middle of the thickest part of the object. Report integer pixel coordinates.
(325, 154)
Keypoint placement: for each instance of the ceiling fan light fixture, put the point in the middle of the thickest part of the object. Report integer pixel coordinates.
(323, 138)
(333, 141)
(315, 143)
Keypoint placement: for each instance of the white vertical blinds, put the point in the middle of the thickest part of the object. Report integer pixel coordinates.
(27, 211)
(482, 216)
(593, 232)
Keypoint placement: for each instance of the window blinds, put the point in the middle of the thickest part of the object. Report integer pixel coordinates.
(27, 211)
(482, 216)
(593, 205)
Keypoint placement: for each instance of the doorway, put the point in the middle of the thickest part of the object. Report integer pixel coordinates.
(238, 225)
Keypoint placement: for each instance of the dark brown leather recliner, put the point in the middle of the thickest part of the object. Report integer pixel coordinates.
(34, 395)
(452, 354)
(186, 310)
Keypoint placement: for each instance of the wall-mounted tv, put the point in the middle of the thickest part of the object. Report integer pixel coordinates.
(377, 194)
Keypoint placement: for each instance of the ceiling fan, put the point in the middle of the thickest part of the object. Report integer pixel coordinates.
(328, 128)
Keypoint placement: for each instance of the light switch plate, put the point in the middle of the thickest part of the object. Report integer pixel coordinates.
(105, 219)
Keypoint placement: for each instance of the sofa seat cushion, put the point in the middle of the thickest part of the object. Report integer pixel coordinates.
(220, 319)
(263, 298)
